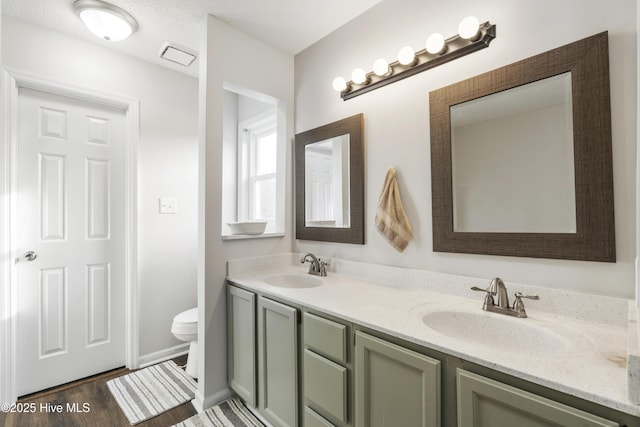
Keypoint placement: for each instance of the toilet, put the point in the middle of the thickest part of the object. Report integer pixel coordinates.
(185, 328)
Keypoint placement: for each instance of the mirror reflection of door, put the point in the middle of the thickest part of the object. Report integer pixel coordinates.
(327, 183)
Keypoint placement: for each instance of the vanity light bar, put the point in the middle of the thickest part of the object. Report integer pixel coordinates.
(471, 38)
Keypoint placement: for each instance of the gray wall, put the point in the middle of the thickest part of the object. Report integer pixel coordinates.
(397, 122)
(220, 65)
(167, 161)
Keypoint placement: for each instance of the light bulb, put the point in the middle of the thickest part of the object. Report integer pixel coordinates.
(381, 67)
(359, 76)
(406, 55)
(435, 44)
(469, 28)
(339, 84)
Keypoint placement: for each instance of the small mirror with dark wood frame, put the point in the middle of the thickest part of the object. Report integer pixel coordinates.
(488, 149)
(329, 182)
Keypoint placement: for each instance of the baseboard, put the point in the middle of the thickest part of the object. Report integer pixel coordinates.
(258, 415)
(162, 355)
(202, 403)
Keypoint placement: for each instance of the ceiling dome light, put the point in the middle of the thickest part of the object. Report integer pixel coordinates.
(406, 56)
(469, 28)
(435, 44)
(105, 20)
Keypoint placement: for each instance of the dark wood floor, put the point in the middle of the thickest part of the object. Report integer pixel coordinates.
(92, 394)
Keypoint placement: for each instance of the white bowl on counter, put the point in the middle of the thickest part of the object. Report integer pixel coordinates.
(247, 227)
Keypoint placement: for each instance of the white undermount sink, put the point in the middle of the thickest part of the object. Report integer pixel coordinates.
(293, 280)
(495, 331)
(466, 323)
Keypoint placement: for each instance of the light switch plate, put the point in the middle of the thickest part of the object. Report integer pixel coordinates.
(168, 205)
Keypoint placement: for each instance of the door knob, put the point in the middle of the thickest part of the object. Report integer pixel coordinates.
(30, 255)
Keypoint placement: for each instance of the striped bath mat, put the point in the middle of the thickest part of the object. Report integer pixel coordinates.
(151, 391)
(230, 413)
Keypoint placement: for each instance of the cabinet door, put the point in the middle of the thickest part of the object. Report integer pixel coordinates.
(277, 362)
(487, 403)
(241, 343)
(394, 386)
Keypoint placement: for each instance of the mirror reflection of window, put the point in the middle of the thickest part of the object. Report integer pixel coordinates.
(327, 183)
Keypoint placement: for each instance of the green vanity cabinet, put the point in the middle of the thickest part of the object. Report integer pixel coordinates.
(299, 366)
(483, 402)
(241, 343)
(277, 362)
(262, 355)
(394, 386)
(326, 371)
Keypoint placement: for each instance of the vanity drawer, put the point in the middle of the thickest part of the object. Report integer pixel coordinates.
(325, 385)
(326, 337)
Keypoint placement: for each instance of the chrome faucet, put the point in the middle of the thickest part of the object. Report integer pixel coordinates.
(498, 288)
(316, 266)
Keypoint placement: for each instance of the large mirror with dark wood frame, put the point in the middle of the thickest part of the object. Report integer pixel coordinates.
(521, 158)
(329, 173)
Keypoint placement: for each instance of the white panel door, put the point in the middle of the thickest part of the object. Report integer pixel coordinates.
(71, 212)
(319, 191)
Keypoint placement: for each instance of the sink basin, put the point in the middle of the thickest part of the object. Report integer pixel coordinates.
(496, 332)
(293, 280)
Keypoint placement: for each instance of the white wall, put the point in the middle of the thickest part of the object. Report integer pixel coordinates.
(230, 156)
(397, 122)
(638, 156)
(167, 158)
(228, 55)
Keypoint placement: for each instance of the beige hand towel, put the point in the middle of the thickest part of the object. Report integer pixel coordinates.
(391, 218)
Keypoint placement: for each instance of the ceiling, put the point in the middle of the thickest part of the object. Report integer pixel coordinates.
(291, 25)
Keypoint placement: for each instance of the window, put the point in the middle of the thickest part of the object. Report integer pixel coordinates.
(257, 167)
(254, 133)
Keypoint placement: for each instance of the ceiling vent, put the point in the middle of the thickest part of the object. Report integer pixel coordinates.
(179, 54)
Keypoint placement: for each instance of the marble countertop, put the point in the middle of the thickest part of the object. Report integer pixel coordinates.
(580, 351)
